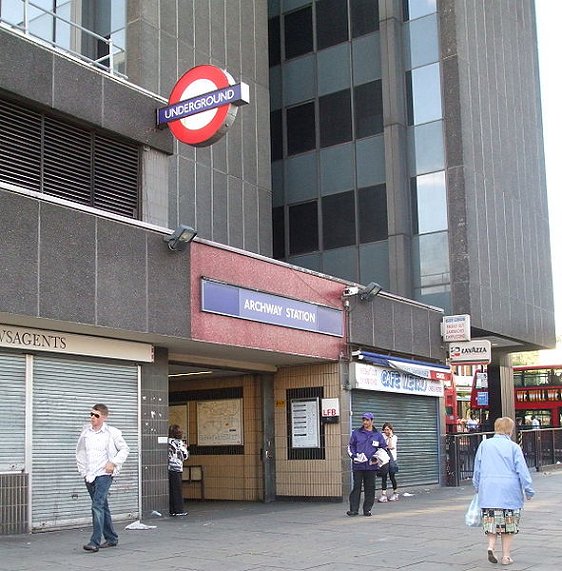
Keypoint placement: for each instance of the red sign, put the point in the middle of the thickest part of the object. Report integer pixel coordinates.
(203, 105)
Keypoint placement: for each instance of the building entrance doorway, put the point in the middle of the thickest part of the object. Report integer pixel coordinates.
(224, 414)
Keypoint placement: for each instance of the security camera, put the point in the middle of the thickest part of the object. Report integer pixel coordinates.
(370, 291)
(350, 290)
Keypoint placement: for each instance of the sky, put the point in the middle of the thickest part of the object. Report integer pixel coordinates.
(549, 14)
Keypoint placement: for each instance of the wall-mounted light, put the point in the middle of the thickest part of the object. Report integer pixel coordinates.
(182, 236)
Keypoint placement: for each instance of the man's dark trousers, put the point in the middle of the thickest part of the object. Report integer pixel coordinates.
(367, 479)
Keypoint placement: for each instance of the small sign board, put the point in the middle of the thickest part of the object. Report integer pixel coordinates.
(330, 407)
(478, 352)
(455, 328)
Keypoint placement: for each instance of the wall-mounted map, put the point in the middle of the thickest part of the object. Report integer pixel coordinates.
(219, 422)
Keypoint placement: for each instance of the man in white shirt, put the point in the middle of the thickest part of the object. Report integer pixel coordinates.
(100, 453)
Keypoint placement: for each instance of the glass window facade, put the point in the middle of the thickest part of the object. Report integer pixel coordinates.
(424, 94)
(48, 21)
(412, 9)
(301, 128)
(303, 228)
(373, 217)
(331, 23)
(298, 33)
(364, 17)
(429, 199)
(335, 118)
(368, 109)
(338, 220)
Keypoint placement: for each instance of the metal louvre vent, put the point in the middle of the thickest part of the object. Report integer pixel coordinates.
(20, 146)
(58, 158)
(67, 166)
(116, 173)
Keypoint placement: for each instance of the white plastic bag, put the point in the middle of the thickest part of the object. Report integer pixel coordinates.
(473, 517)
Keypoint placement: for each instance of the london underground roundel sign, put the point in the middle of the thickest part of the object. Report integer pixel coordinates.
(203, 105)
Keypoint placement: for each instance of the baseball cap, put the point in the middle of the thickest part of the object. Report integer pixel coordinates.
(368, 415)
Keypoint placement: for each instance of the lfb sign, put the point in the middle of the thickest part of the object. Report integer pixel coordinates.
(203, 105)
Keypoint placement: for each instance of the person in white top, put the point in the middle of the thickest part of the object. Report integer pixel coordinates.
(391, 441)
(100, 453)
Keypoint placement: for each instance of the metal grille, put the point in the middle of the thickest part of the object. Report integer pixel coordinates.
(414, 419)
(13, 503)
(50, 155)
(116, 172)
(63, 392)
(20, 144)
(12, 413)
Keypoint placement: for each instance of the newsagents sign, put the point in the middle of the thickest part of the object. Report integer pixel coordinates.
(203, 105)
(226, 299)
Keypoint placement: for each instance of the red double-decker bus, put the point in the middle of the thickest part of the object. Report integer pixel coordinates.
(538, 395)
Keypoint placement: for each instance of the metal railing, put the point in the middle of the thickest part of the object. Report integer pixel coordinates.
(105, 62)
(541, 448)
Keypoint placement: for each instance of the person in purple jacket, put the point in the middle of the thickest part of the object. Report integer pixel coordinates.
(367, 450)
(501, 477)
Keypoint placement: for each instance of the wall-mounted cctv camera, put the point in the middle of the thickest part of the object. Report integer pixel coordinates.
(350, 290)
(370, 291)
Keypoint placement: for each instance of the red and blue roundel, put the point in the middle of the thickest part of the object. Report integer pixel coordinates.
(203, 105)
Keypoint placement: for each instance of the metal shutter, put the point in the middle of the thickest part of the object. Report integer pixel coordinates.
(63, 392)
(12, 413)
(415, 422)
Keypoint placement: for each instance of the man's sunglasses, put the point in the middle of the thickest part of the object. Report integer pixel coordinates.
(97, 415)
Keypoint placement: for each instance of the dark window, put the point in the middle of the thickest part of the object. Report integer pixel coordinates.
(364, 17)
(409, 98)
(335, 118)
(414, 201)
(368, 109)
(373, 218)
(331, 23)
(274, 41)
(276, 134)
(279, 233)
(298, 33)
(338, 220)
(301, 129)
(58, 158)
(303, 228)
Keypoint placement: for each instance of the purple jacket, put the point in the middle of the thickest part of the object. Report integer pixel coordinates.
(365, 442)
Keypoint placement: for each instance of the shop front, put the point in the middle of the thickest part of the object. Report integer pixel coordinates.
(49, 380)
(408, 395)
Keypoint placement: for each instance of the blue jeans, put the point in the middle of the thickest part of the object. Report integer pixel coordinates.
(101, 516)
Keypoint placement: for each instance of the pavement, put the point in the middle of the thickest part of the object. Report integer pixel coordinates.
(424, 531)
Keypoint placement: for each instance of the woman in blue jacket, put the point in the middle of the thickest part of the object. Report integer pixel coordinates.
(500, 478)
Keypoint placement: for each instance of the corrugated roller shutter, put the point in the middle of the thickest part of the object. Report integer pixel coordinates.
(12, 413)
(63, 393)
(415, 421)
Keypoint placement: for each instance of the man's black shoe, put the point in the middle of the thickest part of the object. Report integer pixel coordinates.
(107, 544)
(367, 514)
(91, 547)
(350, 513)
